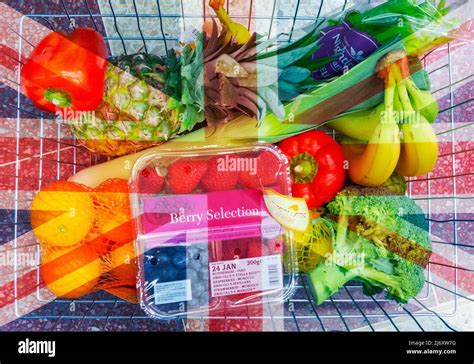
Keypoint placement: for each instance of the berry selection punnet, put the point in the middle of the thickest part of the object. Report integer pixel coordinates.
(213, 175)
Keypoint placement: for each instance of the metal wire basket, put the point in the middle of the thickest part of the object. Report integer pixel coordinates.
(445, 194)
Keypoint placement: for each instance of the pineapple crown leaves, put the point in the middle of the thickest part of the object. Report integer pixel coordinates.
(269, 75)
(168, 71)
(192, 83)
(172, 67)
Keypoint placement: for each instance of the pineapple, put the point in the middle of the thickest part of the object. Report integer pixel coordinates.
(150, 99)
(135, 113)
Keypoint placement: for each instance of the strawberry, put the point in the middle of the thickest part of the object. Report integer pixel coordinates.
(275, 246)
(268, 167)
(150, 181)
(184, 175)
(221, 176)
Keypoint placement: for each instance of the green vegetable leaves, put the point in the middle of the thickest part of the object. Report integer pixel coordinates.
(419, 24)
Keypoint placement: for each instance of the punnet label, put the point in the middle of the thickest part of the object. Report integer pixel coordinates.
(204, 217)
(171, 292)
(239, 276)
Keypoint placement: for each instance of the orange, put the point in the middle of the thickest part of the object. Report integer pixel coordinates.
(123, 264)
(100, 244)
(112, 209)
(71, 273)
(62, 213)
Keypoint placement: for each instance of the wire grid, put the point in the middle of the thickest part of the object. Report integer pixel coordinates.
(346, 311)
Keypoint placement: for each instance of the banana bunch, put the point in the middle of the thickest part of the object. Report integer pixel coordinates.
(394, 136)
(419, 148)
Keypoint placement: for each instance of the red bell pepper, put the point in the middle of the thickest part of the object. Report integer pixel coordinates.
(317, 166)
(66, 71)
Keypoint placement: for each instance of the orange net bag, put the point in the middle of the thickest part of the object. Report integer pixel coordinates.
(86, 238)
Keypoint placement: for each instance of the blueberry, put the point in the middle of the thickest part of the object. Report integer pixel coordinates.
(204, 264)
(150, 272)
(179, 260)
(194, 264)
(198, 288)
(192, 275)
(192, 253)
(181, 275)
(167, 274)
(150, 260)
(163, 260)
(203, 275)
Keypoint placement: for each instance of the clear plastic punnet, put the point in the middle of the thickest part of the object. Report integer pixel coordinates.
(215, 235)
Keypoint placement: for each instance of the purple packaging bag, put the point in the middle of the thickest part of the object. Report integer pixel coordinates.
(349, 45)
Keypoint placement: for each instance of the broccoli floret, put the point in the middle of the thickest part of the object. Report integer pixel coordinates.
(380, 240)
(405, 282)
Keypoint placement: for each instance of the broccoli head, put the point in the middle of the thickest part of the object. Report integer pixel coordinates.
(381, 240)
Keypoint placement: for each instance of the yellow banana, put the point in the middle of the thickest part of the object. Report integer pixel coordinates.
(360, 124)
(419, 149)
(423, 101)
(238, 31)
(373, 163)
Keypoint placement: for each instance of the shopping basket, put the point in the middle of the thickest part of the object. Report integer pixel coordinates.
(37, 151)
